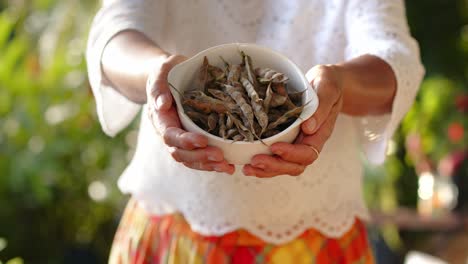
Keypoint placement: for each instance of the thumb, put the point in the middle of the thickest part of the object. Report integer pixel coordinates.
(158, 93)
(158, 90)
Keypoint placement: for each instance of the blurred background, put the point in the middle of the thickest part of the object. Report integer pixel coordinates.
(58, 197)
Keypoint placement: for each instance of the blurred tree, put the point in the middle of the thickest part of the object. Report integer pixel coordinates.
(433, 135)
(58, 201)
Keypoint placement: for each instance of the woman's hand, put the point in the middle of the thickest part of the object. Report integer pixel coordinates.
(188, 148)
(292, 159)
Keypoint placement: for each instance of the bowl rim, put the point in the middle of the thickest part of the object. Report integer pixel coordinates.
(309, 109)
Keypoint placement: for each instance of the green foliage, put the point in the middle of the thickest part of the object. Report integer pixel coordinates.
(439, 116)
(51, 148)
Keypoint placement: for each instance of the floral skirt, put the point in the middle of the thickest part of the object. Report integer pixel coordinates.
(146, 239)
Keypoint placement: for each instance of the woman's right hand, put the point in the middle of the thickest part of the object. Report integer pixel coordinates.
(188, 148)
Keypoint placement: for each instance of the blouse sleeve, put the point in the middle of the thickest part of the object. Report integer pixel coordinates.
(379, 28)
(114, 110)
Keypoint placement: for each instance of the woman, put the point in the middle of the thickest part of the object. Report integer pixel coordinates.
(302, 204)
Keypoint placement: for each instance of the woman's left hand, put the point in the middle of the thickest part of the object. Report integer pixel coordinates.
(292, 159)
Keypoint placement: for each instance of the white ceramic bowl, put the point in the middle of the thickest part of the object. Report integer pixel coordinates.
(239, 153)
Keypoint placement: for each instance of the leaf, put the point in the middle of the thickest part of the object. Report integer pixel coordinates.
(12, 55)
(6, 29)
(15, 261)
(3, 243)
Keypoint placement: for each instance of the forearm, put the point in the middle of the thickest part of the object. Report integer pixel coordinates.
(127, 60)
(369, 86)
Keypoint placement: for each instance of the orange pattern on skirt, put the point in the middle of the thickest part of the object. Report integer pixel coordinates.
(145, 239)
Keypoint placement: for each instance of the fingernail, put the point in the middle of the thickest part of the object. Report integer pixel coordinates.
(213, 157)
(197, 145)
(311, 124)
(247, 172)
(260, 165)
(159, 102)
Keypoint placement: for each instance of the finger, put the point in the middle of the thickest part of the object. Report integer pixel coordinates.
(318, 139)
(295, 153)
(197, 155)
(159, 94)
(222, 166)
(249, 170)
(274, 165)
(328, 94)
(177, 137)
(162, 120)
(158, 87)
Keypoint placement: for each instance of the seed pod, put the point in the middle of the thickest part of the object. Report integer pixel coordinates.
(198, 118)
(284, 118)
(216, 73)
(258, 130)
(244, 131)
(203, 75)
(234, 74)
(280, 89)
(221, 96)
(248, 86)
(212, 121)
(239, 103)
(237, 137)
(257, 105)
(206, 104)
(246, 109)
(268, 98)
(232, 132)
(296, 97)
(229, 123)
(267, 75)
(222, 126)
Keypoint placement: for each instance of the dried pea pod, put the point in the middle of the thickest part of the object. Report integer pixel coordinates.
(266, 75)
(240, 103)
(284, 118)
(232, 132)
(222, 126)
(203, 75)
(238, 137)
(268, 98)
(244, 131)
(198, 118)
(296, 97)
(221, 96)
(212, 121)
(217, 73)
(245, 107)
(280, 89)
(278, 100)
(234, 74)
(206, 104)
(257, 105)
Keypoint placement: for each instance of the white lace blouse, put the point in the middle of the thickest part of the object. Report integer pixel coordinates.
(328, 195)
